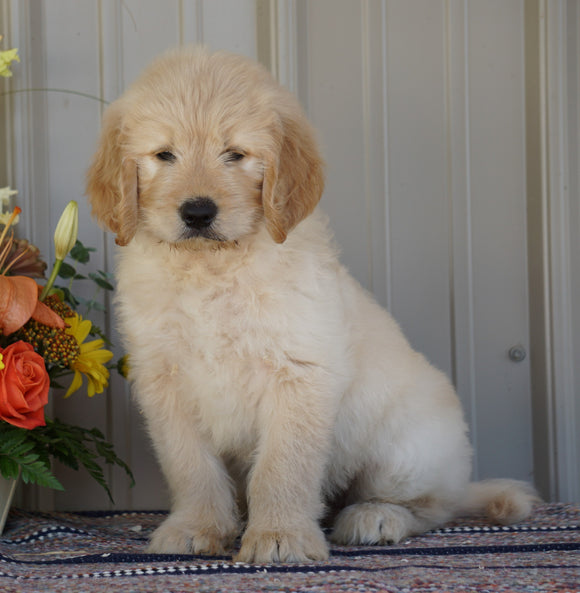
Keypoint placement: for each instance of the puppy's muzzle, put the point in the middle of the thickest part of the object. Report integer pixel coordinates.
(198, 214)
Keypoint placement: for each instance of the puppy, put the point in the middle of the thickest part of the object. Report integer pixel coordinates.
(274, 388)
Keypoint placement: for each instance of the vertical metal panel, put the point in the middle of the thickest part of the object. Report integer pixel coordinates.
(335, 106)
(417, 152)
(230, 25)
(543, 424)
(26, 142)
(342, 88)
(27, 163)
(460, 198)
(553, 158)
(448, 142)
(498, 223)
(561, 152)
(73, 65)
(147, 30)
(374, 110)
(574, 226)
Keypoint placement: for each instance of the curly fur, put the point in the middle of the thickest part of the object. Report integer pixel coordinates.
(274, 388)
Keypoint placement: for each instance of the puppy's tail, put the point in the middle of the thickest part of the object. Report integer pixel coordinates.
(502, 501)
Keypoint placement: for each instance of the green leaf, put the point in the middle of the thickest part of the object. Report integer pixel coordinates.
(39, 473)
(66, 271)
(30, 451)
(81, 253)
(100, 281)
(68, 296)
(107, 275)
(9, 468)
(18, 456)
(76, 446)
(59, 292)
(95, 306)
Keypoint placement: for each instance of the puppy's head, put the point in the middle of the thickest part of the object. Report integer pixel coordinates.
(204, 147)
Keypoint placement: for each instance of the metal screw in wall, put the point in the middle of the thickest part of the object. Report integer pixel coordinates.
(517, 353)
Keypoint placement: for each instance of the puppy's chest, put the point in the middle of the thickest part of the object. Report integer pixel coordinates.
(225, 332)
(228, 317)
(221, 342)
(228, 337)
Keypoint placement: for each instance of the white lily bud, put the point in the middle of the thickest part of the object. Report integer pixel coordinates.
(67, 230)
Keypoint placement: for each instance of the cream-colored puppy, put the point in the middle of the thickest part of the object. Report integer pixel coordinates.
(273, 385)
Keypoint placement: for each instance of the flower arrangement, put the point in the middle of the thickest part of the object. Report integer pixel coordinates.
(42, 340)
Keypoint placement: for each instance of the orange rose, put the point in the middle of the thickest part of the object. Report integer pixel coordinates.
(24, 384)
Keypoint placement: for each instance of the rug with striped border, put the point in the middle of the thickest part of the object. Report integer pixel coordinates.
(105, 551)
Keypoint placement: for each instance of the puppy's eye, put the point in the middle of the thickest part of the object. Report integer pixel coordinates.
(166, 156)
(233, 156)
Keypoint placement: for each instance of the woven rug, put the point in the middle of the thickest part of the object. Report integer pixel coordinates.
(104, 552)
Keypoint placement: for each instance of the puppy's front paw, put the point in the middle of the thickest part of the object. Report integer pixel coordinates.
(175, 538)
(298, 545)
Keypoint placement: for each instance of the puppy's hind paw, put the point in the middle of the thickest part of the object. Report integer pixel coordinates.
(371, 523)
(263, 546)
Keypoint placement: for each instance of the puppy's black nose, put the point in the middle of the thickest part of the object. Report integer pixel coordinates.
(198, 213)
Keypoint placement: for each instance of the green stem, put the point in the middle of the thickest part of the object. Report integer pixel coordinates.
(53, 275)
(66, 91)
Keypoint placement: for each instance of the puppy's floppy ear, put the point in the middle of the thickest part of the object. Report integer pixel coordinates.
(293, 175)
(112, 184)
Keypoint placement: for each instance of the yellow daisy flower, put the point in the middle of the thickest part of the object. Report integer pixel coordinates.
(6, 57)
(91, 359)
